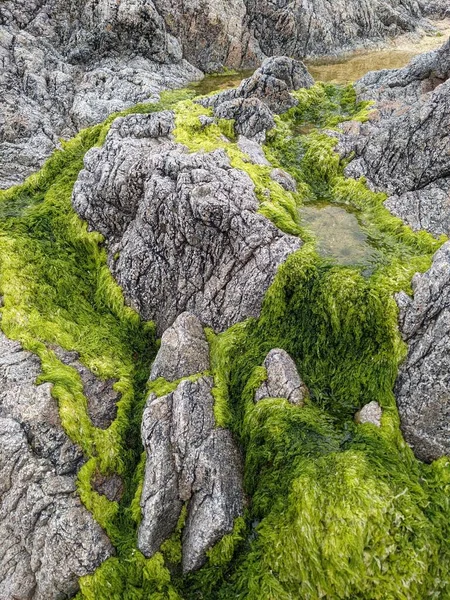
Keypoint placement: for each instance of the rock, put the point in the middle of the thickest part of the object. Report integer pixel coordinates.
(284, 179)
(253, 150)
(189, 461)
(251, 116)
(370, 413)
(184, 350)
(49, 539)
(100, 394)
(183, 231)
(283, 380)
(267, 91)
(405, 151)
(423, 385)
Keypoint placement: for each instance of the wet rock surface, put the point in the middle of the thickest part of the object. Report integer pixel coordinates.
(404, 149)
(48, 538)
(283, 380)
(423, 385)
(189, 461)
(370, 413)
(183, 230)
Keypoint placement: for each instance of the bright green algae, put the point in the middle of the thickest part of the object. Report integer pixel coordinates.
(335, 510)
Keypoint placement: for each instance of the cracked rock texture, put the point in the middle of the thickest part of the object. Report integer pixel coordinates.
(267, 91)
(183, 230)
(67, 65)
(423, 384)
(404, 149)
(283, 380)
(189, 461)
(48, 538)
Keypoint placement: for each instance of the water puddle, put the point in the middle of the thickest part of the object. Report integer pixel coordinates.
(340, 237)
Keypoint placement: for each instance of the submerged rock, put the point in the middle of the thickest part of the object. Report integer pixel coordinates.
(423, 385)
(49, 539)
(283, 380)
(189, 461)
(183, 229)
(404, 149)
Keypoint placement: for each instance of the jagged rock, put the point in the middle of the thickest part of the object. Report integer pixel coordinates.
(189, 460)
(370, 413)
(283, 380)
(406, 152)
(284, 179)
(251, 116)
(267, 91)
(423, 385)
(184, 350)
(100, 394)
(183, 230)
(49, 539)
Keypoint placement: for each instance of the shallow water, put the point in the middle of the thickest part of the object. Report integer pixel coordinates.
(340, 236)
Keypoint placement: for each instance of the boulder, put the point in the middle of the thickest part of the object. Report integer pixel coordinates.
(283, 380)
(190, 462)
(49, 539)
(183, 230)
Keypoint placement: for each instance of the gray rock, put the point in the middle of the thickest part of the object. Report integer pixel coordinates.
(110, 486)
(100, 394)
(189, 461)
(423, 385)
(370, 413)
(283, 380)
(49, 539)
(404, 149)
(183, 229)
(251, 116)
(253, 151)
(184, 350)
(284, 179)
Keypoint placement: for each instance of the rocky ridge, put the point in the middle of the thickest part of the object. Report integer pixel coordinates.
(49, 539)
(190, 461)
(66, 66)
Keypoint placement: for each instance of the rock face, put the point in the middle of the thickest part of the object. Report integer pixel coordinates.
(67, 65)
(183, 230)
(49, 539)
(404, 149)
(189, 461)
(283, 380)
(267, 91)
(423, 385)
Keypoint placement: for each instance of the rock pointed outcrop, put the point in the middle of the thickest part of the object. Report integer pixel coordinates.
(190, 461)
(183, 230)
(283, 380)
(423, 385)
(49, 539)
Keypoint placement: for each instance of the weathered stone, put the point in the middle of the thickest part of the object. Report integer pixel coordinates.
(183, 229)
(283, 380)
(370, 413)
(184, 350)
(253, 151)
(100, 394)
(251, 116)
(110, 486)
(423, 385)
(189, 461)
(49, 539)
(404, 149)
